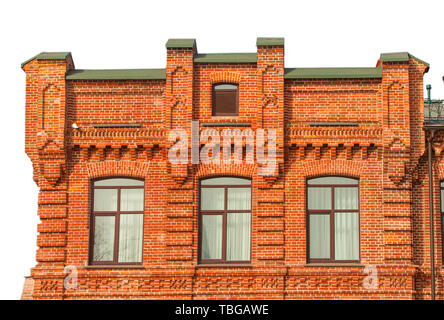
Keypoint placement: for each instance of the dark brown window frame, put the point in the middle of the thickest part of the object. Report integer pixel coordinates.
(224, 221)
(441, 217)
(331, 213)
(213, 103)
(115, 214)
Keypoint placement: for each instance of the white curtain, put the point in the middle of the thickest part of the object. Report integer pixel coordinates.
(105, 199)
(319, 236)
(346, 198)
(319, 198)
(104, 227)
(238, 236)
(131, 199)
(130, 237)
(211, 237)
(212, 198)
(239, 198)
(346, 236)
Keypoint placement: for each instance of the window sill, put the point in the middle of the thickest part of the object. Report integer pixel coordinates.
(118, 266)
(335, 264)
(224, 265)
(226, 123)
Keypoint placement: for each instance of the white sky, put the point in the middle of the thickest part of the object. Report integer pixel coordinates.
(132, 34)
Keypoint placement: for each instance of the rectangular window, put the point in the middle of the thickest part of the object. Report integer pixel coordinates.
(225, 220)
(117, 221)
(333, 219)
(225, 100)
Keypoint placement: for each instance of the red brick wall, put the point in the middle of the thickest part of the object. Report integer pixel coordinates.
(385, 152)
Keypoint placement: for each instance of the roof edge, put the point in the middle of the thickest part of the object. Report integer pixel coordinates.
(272, 41)
(181, 43)
(116, 74)
(333, 73)
(48, 56)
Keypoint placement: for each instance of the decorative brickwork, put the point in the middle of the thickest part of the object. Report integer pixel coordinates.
(368, 127)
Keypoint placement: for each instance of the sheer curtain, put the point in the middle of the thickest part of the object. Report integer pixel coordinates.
(319, 198)
(130, 237)
(105, 200)
(239, 199)
(319, 236)
(104, 227)
(212, 198)
(346, 236)
(131, 199)
(211, 237)
(238, 236)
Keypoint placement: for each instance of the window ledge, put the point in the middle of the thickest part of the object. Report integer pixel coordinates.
(118, 266)
(335, 264)
(226, 124)
(224, 265)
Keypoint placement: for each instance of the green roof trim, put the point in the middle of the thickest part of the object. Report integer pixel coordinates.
(400, 57)
(180, 43)
(117, 74)
(332, 73)
(226, 58)
(270, 42)
(48, 56)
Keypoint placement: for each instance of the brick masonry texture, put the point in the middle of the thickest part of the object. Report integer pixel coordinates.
(385, 149)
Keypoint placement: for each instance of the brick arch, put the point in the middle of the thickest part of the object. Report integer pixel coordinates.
(215, 170)
(225, 76)
(352, 169)
(105, 169)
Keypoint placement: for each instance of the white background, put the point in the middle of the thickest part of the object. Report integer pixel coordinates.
(132, 34)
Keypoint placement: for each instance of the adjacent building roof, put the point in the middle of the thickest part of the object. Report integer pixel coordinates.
(117, 74)
(332, 73)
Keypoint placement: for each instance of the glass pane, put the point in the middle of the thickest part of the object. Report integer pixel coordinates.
(442, 200)
(332, 180)
(116, 182)
(131, 199)
(442, 184)
(211, 237)
(104, 228)
(239, 198)
(212, 198)
(131, 238)
(238, 236)
(105, 199)
(346, 236)
(225, 87)
(319, 198)
(319, 236)
(226, 181)
(346, 198)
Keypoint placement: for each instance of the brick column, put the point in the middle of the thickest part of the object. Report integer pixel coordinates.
(397, 145)
(270, 111)
(178, 115)
(46, 103)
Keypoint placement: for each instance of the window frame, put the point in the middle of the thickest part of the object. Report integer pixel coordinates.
(213, 100)
(331, 213)
(115, 214)
(223, 212)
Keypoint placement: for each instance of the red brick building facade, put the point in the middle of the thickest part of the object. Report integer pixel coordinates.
(361, 129)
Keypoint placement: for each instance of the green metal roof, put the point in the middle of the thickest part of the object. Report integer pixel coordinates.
(117, 74)
(400, 57)
(332, 73)
(181, 43)
(48, 56)
(226, 58)
(270, 42)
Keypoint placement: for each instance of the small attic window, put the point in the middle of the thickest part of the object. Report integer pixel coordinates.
(225, 99)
